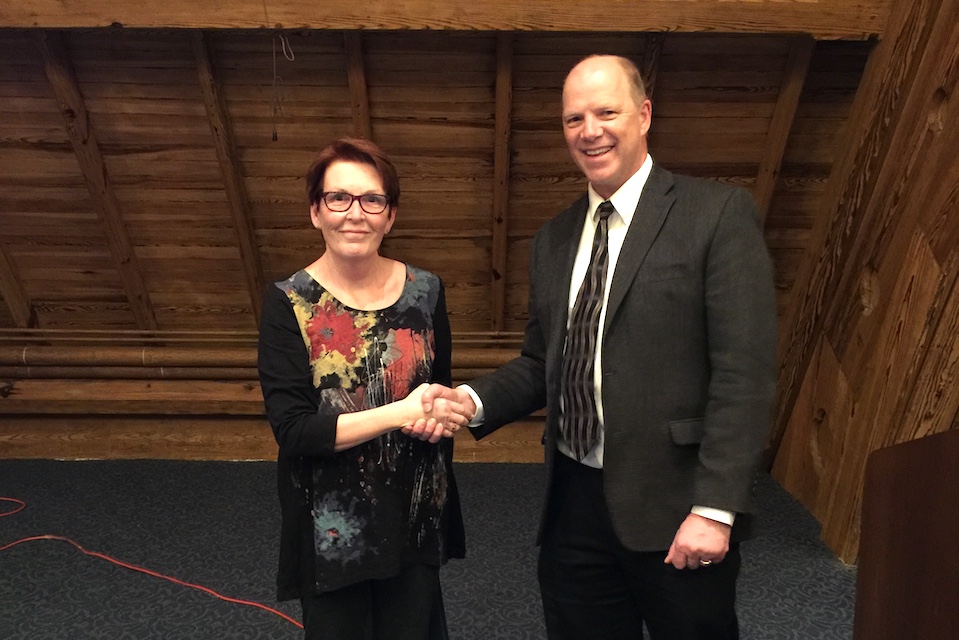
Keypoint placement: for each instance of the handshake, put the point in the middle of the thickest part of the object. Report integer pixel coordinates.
(437, 412)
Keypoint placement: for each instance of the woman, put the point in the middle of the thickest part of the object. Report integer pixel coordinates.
(347, 346)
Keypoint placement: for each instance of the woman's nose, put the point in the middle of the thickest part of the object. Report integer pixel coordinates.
(354, 211)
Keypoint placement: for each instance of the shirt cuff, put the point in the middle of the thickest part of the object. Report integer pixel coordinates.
(719, 515)
(479, 416)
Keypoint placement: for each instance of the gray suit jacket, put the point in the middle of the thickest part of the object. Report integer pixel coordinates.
(689, 355)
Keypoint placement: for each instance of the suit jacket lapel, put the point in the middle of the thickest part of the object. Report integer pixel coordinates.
(654, 204)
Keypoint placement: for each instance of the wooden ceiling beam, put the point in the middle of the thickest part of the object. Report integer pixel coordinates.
(80, 130)
(359, 94)
(233, 182)
(794, 77)
(822, 19)
(501, 172)
(14, 294)
(649, 65)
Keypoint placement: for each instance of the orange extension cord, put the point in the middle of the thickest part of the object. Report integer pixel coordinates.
(22, 505)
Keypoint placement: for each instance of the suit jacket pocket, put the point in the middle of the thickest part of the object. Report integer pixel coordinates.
(687, 432)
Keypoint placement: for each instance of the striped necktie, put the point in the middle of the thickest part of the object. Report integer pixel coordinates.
(579, 422)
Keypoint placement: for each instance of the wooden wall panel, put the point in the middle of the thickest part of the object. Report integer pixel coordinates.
(286, 97)
(739, 80)
(815, 141)
(875, 391)
(101, 399)
(158, 149)
(816, 438)
(6, 317)
(879, 287)
(432, 99)
(123, 437)
(210, 438)
(54, 241)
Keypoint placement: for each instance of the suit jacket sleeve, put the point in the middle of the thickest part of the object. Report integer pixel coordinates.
(518, 388)
(740, 309)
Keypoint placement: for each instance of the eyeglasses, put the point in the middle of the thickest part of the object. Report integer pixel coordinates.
(341, 201)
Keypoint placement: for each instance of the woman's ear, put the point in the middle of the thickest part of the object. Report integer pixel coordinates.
(391, 218)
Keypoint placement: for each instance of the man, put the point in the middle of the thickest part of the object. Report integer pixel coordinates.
(643, 525)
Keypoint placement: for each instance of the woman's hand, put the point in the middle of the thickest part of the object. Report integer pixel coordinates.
(444, 417)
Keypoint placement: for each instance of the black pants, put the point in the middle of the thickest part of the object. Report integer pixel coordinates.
(405, 607)
(593, 588)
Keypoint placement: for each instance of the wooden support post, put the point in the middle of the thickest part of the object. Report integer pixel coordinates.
(13, 293)
(794, 77)
(359, 96)
(233, 182)
(501, 172)
(77, 120)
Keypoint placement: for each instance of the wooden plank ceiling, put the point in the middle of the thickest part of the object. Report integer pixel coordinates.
(152, 179)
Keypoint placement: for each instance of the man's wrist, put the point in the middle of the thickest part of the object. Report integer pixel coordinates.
(478, 415)
(719, 515)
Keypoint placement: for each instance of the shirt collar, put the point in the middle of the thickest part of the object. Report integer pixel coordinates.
(626, 198)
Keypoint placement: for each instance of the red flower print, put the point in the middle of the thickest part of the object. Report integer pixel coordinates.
(333, 331)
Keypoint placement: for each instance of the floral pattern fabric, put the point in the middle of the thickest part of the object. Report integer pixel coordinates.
(376, 507)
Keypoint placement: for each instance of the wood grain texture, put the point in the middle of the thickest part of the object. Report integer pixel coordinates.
(359, 96)
(780, 126)
(886, 326)
(904, 587)
(233, 184)
(87, 150)
(877, 109)
(501, 179)
(210, 438)
(131, 437)
(21, 310)
(858, 19)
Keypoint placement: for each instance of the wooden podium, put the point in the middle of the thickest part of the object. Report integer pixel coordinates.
(908, 575)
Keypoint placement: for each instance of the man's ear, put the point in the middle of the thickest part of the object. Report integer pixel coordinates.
(646, 110)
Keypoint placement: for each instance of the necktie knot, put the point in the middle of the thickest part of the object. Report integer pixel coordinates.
(605, 210)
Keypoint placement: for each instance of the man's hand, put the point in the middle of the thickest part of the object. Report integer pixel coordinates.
(459, 396)
(699, 542)
(444, 411)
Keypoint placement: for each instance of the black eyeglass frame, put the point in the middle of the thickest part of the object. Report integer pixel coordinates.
(325, 198)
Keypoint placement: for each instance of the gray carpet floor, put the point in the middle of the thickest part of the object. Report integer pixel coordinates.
(216, 524)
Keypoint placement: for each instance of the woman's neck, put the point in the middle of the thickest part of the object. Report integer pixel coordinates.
(362, 284)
